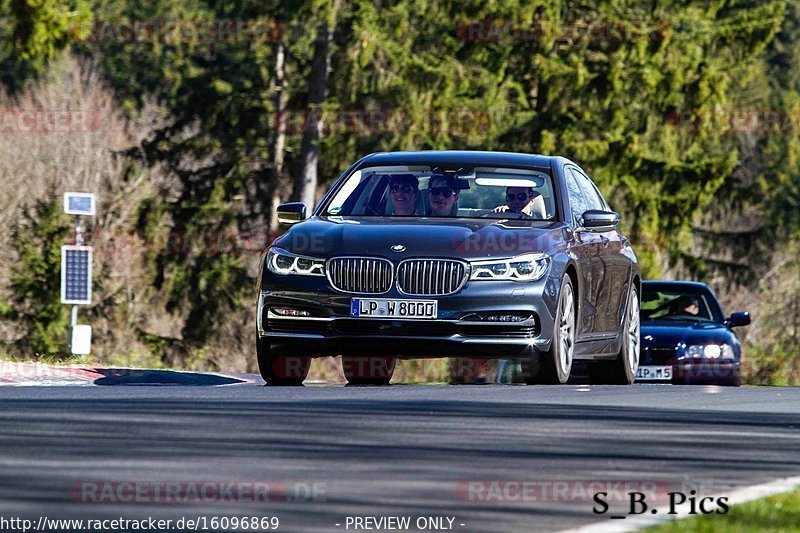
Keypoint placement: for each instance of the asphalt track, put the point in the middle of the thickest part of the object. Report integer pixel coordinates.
(408, 451)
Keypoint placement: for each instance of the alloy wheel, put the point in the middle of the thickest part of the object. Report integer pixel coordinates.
(633, 332)
(566, 326)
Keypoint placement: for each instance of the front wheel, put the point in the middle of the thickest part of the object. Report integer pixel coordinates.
(280, 371)
(368, 370)
(555, 366)
(622, 370)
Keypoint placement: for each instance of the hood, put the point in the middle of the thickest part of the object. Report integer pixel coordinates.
(421, 237)
(668, 333)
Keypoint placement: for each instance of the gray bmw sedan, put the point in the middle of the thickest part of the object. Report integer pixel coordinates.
(451, 254)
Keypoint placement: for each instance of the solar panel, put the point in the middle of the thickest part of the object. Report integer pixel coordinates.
(76, 275)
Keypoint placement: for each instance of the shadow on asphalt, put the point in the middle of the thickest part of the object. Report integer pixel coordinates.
(346, 428)
(121, 376)
(375, 456)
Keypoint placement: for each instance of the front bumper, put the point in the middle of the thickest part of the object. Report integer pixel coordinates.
(330, 330)
(706, 372)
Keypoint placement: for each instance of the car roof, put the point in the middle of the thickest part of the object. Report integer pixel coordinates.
(450, 158)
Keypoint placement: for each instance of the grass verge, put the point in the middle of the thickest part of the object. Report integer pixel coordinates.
(779, 513)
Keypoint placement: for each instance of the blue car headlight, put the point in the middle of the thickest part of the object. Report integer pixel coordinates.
(708, 351)
(282, 262)
(528, 267)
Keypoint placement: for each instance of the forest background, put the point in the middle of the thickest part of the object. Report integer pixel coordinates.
(193, 119)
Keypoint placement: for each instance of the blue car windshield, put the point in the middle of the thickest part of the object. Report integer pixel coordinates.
(422, 191)
(678, 305)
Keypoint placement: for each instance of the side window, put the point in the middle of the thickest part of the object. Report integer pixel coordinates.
(593, 198)
(577, 202)
(602, 198)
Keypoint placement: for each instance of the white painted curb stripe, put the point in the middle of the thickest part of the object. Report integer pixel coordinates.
(739, 496)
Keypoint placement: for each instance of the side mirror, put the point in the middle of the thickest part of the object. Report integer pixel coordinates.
(598, 220)
(291, 213)
(738, 319)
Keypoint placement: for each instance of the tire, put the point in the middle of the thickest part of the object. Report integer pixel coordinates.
(368, 370)
(555, 366)
(733, 382)
(737, 379)
(622, 370)
(280, 371)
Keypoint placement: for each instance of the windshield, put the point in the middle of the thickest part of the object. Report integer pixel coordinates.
(422, 191)
(678, 305)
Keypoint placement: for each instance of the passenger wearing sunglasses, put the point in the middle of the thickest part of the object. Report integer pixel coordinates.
(403, 193)
(442, 195)
(518, 200)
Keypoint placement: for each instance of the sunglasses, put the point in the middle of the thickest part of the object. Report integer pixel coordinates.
(519, 196)
(442, 191)
(407, 189)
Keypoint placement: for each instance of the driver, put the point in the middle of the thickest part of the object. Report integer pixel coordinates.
(692, 306)
(518, 200)
(442, 195)
(687, 305)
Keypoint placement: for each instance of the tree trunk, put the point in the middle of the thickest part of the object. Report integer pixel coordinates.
(305, 186)
(279, 185)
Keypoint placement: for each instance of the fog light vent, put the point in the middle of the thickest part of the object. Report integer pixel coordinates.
(498, 317)
(284, 311)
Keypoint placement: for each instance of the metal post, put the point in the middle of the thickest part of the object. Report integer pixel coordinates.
(73, 321)
(78, 232)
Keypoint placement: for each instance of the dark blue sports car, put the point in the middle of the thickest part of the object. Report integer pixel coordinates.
(685, 336)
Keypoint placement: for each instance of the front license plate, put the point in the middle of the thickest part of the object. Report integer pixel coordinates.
(651, 373)
(387, 308)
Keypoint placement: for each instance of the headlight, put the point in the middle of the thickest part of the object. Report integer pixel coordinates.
(528, 267)
(282, 262)
(708, 351)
